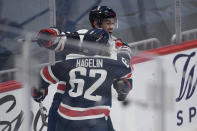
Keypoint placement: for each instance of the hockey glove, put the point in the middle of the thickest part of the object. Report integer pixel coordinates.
(120, 43)
(39, 95)
(122, 87)
(125, 51)
(48, 38)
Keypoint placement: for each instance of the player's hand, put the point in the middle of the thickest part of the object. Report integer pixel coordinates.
(38, 95)
(125, 51)
(122, 87)
(119, 43)
(48, 37)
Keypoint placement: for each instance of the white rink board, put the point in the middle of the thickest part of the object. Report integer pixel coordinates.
(141, 114)
(6, 101)
(180, 115)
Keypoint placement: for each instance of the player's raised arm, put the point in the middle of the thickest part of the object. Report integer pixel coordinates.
(54, 39)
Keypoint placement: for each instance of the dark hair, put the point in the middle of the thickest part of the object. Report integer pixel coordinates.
(99, 13)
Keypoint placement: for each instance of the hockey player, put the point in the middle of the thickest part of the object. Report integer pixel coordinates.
(100, 17)
(87, 78)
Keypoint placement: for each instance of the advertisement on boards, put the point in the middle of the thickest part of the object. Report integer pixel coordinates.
(184, 64)
(167, 86)
(13, 114)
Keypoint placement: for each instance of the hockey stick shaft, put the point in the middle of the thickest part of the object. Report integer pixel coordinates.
(43, 116)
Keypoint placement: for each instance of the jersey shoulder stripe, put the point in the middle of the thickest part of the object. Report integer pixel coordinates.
(48, 76)
(61, 87)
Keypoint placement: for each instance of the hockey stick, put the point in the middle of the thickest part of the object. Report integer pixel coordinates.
(46, 36)
(34, 17)
(36, 40)
(62, 35)
(43, 115)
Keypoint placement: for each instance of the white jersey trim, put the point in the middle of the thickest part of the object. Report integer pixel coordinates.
(83, 109)
(78, 113)
(61, 43)
(80, 118)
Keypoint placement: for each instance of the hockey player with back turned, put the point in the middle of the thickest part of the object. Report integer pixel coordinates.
(100, 17)
(88, 76)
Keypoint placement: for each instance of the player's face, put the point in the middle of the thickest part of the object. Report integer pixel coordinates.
(108, 25)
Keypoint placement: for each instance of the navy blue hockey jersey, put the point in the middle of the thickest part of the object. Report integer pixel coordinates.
(85, 82)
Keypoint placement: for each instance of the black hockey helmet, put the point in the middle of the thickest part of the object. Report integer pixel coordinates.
(98, 42)
(99, 13)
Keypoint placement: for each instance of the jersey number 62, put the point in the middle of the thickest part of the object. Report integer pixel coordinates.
(80, 83)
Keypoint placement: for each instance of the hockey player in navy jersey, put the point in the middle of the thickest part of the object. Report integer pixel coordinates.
(87, 78)
(100, 17)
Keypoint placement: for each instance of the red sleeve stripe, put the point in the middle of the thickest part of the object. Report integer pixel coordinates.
(127, 76)
(132, 68)
(47, 75)
(61, 87)
(83, 113)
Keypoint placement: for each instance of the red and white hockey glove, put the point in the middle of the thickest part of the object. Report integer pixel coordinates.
(48, 38)
(119, 43)
(39, 94)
